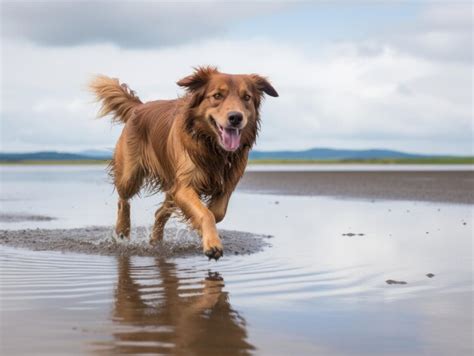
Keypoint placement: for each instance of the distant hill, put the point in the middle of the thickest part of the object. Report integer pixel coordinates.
(311, 154)
(332, 154)
(97, 154)
(43, 156)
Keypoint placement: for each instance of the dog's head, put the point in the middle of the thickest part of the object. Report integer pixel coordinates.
(225, 107)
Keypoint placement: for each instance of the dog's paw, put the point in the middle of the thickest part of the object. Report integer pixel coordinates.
(156, 237)
(214, 276)
(154, 241)
(214, 252)
(120, 237)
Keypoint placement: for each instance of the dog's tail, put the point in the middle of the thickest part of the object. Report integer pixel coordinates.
(117, 99)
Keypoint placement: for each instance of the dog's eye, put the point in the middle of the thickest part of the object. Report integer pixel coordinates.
(217, 96)
(247, 97)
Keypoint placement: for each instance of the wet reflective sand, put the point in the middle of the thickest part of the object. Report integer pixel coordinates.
(101, 240)
(320, 288)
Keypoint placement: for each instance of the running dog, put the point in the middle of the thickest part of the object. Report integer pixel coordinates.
(193, 148)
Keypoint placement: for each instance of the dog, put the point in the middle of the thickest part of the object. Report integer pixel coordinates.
(194, 148)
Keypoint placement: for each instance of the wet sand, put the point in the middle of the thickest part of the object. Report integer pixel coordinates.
(100, 241)
(18, 217)
(434, 186)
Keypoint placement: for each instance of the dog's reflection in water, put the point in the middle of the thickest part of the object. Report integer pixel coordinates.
(159, 312)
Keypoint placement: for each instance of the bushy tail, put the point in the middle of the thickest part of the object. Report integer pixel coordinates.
(117, 99)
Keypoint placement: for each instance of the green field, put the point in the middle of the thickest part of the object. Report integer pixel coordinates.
(440, 160)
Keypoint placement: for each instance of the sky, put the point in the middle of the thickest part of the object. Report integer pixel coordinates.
(369, 74)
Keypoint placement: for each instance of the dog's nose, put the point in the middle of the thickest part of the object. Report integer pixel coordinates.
(235, 118)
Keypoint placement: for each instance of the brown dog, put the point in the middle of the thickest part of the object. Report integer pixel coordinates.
(193, 148)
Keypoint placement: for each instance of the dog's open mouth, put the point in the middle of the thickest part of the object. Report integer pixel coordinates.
(229, 136)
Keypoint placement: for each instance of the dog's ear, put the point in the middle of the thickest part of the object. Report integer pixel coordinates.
(198, 79)
(263, 85)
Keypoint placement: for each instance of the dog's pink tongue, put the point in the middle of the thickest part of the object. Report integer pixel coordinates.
(231, 139)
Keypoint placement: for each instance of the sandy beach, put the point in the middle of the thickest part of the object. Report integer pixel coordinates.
(434, 186)
(309, 257)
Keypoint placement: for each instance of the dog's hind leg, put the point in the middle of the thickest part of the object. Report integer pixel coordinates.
(127, 188)
(128, 179)
(161, 217)
(122, 226)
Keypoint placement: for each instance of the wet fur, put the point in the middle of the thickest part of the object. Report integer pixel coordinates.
(170, 146)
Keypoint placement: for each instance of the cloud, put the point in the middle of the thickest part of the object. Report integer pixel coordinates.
(374, 92)
(442, 32)
(338, 96)
(127, 24)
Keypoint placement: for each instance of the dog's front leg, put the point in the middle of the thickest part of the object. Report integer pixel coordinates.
(201, 218)
(218, 206)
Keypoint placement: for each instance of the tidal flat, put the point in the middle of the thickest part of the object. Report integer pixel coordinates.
(312, 266)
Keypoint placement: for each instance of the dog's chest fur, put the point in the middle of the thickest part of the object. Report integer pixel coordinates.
(215, 175)
(213, 181)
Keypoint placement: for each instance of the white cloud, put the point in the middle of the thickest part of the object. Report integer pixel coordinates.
(443, 31)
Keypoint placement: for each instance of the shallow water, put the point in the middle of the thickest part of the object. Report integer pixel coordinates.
(320, 288)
